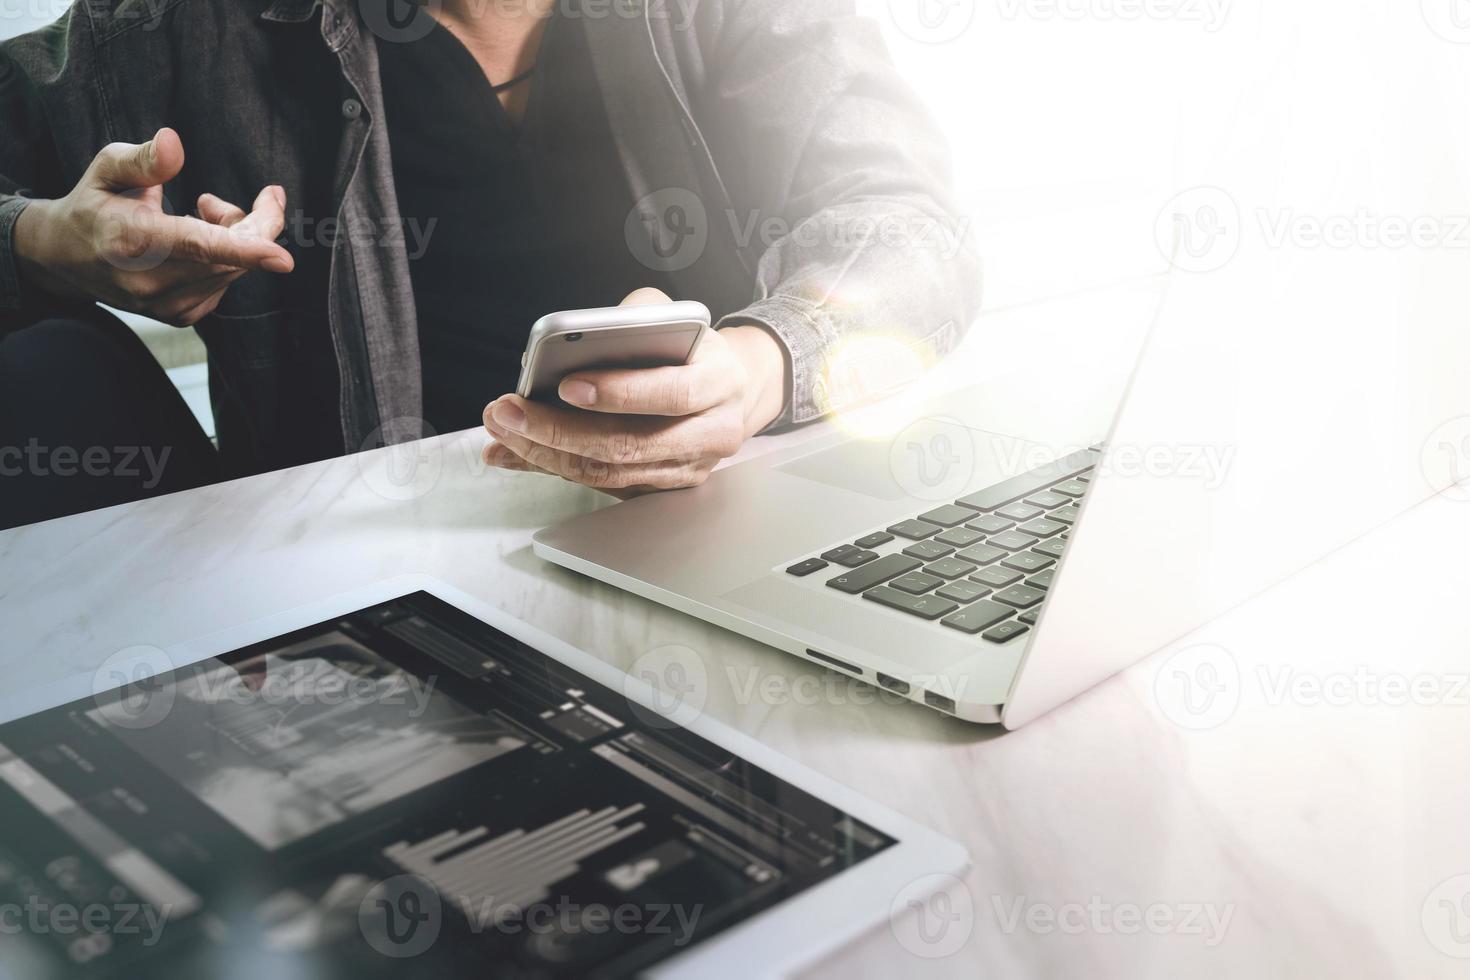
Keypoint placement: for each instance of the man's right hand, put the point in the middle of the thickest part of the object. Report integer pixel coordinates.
(110, 240)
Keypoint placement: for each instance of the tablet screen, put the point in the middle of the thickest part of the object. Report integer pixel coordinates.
(406, 790)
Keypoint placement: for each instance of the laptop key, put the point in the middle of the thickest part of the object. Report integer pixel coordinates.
(1042, 580)
(990, 524)
(928, 550)
(1042, 528)
(963, 592)
(996, 578)
(1020, 512)
(915, 583)
(804, 568)
(915, 530)
(1021, 596)
(1011, 541)
(950, 568)
(981, 554)
(1052, 548)
(840, 552)
(982, 615)
(1046, 499)
(1005, 631)
(1070, 488)
(960, 537)
(1030, 616)
(1067, 515)
(874, 540)
(926, 606)
(949, 515)
(873, 573)
(1028, 561)
(855, 558)
(998, 495)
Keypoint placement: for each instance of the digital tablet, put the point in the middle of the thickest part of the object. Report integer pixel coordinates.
(404, 781)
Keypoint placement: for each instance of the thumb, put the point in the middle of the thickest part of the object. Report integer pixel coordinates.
(647, 296)
(123, 166)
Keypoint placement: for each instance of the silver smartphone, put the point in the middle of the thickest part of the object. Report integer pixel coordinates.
(663, 335)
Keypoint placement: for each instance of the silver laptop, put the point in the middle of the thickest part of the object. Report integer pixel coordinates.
(1006, 582)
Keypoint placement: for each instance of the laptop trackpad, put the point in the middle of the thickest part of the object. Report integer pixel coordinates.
(858, 466)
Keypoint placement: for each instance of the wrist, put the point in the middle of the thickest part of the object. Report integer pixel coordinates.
(29, 243)
(765, 366)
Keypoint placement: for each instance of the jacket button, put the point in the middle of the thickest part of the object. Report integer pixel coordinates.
(351, 109)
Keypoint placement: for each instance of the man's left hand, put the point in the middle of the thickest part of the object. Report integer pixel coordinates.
(638, 431)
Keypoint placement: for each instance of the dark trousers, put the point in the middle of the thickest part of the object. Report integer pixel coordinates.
(89, 419)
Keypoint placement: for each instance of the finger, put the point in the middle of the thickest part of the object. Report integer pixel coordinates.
(125, 166)
(497, 455)
(203, 281)
(670, 391)
(218, 211)
(647, 296)
(665, 475)
(617, 439)
(267, 216)
(200, 241)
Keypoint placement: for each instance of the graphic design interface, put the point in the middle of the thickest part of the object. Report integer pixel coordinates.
(403, 791)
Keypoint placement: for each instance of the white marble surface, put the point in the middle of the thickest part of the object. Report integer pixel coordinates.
(1295, 838)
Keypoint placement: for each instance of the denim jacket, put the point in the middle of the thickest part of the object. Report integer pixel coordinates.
(778, 168)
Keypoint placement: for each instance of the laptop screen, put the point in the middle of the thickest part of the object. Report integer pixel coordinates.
(405, 786)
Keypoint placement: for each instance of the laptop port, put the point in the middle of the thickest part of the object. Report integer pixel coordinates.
(894, 684)
(939, 701)
(834, 662)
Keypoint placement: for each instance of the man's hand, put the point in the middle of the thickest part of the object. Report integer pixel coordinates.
(638, 431)
(109, 240)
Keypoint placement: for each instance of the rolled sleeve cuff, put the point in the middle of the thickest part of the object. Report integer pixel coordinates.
(10, 289)
(806, 337)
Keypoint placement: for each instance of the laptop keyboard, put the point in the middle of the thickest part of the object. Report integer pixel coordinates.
(981, 565)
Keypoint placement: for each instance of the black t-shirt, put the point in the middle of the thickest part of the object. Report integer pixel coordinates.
(503, 223)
